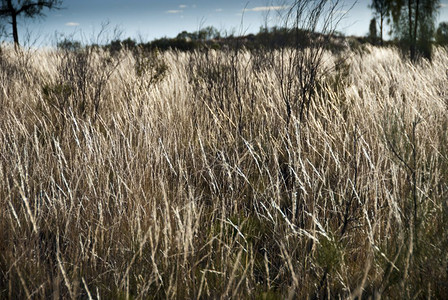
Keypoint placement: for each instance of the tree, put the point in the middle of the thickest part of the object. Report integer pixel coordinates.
(442, 34)
(12, 9)
(69, 45)
(414, 24)
(382, 9)
(208, 33)
(373, 35)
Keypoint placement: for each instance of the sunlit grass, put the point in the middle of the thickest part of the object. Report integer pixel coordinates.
(177, 175)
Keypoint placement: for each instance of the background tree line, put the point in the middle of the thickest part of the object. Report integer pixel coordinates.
(411, 22)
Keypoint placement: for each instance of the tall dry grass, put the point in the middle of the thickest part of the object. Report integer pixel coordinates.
(177, 175)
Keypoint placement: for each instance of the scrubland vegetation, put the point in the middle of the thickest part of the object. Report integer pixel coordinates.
(223, 174)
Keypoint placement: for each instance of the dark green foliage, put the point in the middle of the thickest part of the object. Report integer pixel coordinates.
(69, 45)
(381, 9)
(117, 45)
(269, 295)
(177, 44)
(373, 35)
(413, 23)
(206, 34)
(442, 34)
(150, 64)
(210, 38)
(329, 254)
(56, 94)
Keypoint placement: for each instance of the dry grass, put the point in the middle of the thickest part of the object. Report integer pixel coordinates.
(177, 176)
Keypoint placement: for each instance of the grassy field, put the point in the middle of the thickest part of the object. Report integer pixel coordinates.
(195, 175)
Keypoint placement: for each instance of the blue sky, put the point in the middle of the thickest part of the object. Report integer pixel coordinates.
(149, 19)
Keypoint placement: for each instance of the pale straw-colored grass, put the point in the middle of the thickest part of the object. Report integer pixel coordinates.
(194, 185)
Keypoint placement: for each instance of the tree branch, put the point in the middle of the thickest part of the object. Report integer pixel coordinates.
(37, 7)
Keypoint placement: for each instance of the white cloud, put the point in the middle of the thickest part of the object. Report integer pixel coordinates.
(183, 6)
(218, 9)
(266, 8)
(174, 11)
(71, 24)
(443, 5)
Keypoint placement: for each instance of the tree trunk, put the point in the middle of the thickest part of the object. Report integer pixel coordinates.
(411, 36)
(416, 20)
(381, 29)
(15, 33)
(13, 15)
